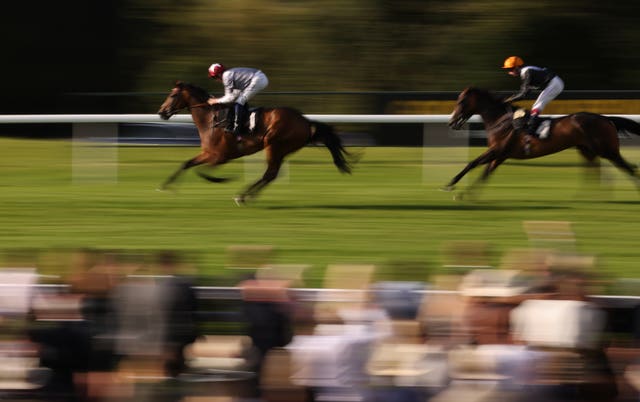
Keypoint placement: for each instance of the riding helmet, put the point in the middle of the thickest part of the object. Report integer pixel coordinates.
(215, 70)
(513, 62)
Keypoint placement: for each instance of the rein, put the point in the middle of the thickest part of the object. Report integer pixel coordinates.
(205, 104)
(504, 120)
(197, 105)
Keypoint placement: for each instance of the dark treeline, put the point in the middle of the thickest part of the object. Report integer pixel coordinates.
(57, 52)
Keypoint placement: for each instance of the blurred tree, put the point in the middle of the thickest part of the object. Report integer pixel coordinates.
(323, 45)
(57, 47)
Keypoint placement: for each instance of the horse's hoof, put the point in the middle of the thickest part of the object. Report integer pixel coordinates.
(166, 189)
(239, 201)
(447, 188)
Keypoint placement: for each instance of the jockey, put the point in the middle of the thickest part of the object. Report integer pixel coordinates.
(533, 78)
(240, 85)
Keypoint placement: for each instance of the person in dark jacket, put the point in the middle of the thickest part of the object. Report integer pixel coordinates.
(533, 77)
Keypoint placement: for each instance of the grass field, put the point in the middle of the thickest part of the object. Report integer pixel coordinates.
(390, 211)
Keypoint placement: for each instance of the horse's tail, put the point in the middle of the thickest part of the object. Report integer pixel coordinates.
(325, 133)
(624, 124)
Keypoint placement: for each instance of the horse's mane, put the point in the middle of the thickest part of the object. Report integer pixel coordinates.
(493, 98)
(485, 92)
(200, 94)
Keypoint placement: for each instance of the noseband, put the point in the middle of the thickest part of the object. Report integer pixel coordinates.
(173, 110)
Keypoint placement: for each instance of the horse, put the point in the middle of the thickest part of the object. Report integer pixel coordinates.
(594, 135)
(280, 131)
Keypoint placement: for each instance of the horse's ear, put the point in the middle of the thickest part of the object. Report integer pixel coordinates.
(179, 83)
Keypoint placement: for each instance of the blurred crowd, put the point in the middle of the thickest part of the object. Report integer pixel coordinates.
(529, 329)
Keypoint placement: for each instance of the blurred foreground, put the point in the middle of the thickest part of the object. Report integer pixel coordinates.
(121, 328)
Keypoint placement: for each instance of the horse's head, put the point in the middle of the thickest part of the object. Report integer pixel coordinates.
(173, 103)
(182, 96)
(466, 106)
(478, 101)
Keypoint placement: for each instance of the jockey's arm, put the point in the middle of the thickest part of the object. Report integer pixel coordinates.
(525, 87)
(524, 90)
(218, 104)
(229, 96)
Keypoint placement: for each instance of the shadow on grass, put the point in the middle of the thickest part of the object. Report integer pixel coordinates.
(420, 207)
(625, 202)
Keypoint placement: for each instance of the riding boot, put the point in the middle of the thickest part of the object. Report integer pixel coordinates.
(533, 123)
(238, 120)
(229, 119)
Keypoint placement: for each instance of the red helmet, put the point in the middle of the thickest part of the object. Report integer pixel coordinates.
(216, 70)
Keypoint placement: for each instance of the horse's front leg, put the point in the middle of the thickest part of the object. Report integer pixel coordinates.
(195, 161)
(488, 170)
(486, 157)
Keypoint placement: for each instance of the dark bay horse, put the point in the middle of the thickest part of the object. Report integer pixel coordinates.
(280, 131)
(592, 134)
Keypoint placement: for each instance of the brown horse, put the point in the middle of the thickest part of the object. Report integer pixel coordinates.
(592, 134)
(280, 131)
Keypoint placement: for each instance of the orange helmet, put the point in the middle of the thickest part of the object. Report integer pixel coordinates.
(216, 70)
(513, 62)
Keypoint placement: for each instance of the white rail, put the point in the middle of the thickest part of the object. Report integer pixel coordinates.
(186, 118)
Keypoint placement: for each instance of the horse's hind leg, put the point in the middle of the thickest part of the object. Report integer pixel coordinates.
(627, 167)
(620, 162)
(592, 164)
(198, 160)
(273, 168)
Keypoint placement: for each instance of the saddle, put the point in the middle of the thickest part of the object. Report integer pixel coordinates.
(539, 127)
(249, 125)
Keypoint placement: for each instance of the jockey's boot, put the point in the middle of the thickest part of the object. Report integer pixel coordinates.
(230, 121)
(533, 123)
(238, 120)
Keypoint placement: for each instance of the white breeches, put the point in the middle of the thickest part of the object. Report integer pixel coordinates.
(258, 83)
(556, 85)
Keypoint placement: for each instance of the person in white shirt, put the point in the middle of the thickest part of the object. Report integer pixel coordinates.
(240, 85)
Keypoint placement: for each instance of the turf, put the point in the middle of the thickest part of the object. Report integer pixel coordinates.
(390, 211)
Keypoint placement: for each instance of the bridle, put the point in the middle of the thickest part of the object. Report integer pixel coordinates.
(176, 97)
(188, 107)
(173, 110)
(506, 119)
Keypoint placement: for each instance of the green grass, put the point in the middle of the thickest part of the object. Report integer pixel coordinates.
(389, 212)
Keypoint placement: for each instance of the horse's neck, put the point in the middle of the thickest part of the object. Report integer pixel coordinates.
(491, 118)
(203, 119)
(497, 124)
